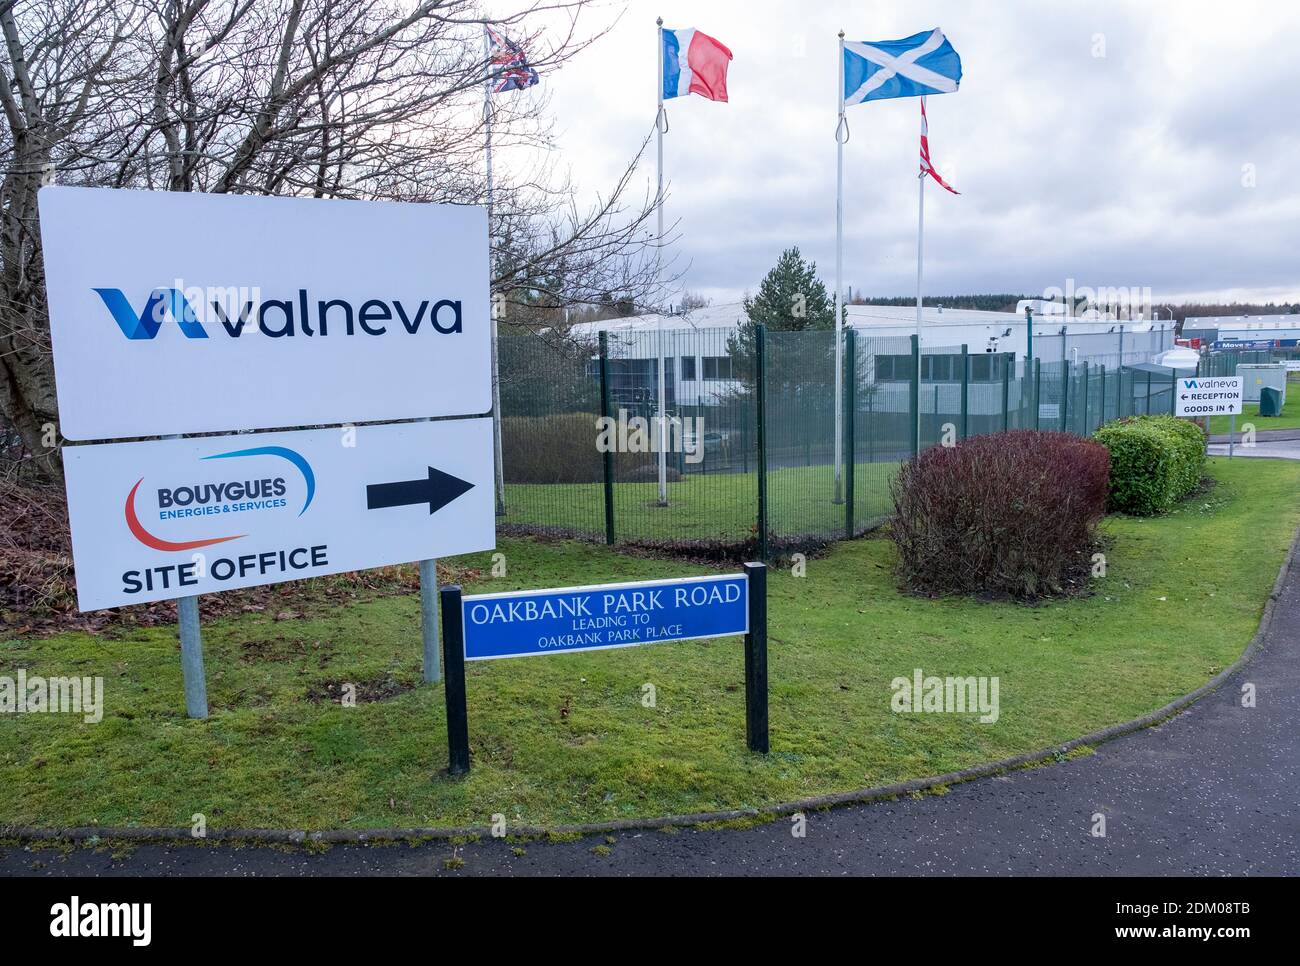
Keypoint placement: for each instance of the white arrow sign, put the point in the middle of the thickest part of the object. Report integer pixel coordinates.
(173, 518)
(1208, 396)
(178, 312)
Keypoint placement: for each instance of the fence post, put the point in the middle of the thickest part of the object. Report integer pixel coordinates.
(965, 391)
(1038, 394)
(1121, 345)
(1066, 377)
(756, 659)
(760, 408)
(453, 638)
(1102, 422)
(1173, 391)
(916, 396)
(871, 427)
(609, 452)
(1083, 423)
(1029, 333)
(1148, 407)
(850, 423)
(1008, 360)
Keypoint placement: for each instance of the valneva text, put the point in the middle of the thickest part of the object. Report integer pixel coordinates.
(236, 313)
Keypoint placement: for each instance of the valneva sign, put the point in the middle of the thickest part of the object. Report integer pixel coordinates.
(1208, 396)
(604, 616)
(186, 313)
(168, 518)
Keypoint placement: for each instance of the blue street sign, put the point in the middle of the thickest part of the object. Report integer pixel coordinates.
(566, 619)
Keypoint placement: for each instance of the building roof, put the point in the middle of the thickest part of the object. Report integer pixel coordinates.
(880, 319)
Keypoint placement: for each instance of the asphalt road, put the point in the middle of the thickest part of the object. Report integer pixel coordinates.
(1283, 449)
(1214, 791)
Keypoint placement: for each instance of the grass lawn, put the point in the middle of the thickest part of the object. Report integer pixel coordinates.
(1290, 418)
(566, 738)
(714, 506)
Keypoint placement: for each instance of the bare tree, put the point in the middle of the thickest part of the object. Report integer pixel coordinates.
(377, 99)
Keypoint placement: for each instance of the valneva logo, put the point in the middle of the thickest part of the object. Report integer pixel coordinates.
(240, 310)
(76, 919)
(221, 498)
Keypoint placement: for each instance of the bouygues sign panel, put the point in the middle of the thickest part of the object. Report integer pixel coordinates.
(158, 519)
(175, 313)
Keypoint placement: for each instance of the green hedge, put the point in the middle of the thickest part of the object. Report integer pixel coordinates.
(562, 449)
(1155, 461)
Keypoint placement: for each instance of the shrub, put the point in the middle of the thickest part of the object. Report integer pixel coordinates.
(1154, 462)
(1013, 513)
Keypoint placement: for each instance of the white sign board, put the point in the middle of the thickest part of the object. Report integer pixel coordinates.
(172, 518)
(177, 313)
(1293, 365)
(1208, 396)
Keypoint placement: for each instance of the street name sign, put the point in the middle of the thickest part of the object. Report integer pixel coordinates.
(179, 312)
(566, 619)
(178, 517)
(1208, 396)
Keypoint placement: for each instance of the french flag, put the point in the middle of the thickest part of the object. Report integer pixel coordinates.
(694, 63)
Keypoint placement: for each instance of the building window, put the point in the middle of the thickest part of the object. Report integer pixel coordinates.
(688, 368)
(894, 368)
(717, 367)
(941, 368)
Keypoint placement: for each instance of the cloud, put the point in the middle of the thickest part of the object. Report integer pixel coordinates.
(1113, 143)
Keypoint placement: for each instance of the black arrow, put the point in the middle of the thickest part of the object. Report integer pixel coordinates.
(437, 490)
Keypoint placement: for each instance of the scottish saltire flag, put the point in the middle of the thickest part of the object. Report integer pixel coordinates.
(694, 63)
(924, 63)
(926, 166)
(509, 68)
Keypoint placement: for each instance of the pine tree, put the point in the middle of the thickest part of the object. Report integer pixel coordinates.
(791, 298)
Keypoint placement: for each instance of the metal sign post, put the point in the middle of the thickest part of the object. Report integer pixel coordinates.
(429, 620)
(453, 636)
(756, 660)
(196, 684)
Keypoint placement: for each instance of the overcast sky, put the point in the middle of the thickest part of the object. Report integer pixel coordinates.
(1108, 142)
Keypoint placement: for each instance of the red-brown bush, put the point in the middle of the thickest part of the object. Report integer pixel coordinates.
(1011, 513)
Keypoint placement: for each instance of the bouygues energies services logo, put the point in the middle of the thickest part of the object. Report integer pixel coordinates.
(226, 496)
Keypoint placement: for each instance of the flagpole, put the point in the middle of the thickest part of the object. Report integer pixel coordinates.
(839, 285)
(499, 473)
(659, 196)
(920, 236)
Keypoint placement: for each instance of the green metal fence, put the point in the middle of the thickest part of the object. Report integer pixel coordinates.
(750, 462)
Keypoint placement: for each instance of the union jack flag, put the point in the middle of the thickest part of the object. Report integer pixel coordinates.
(509, 64)
(926, 166)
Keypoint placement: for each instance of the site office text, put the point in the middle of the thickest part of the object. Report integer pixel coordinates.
(283, 560)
